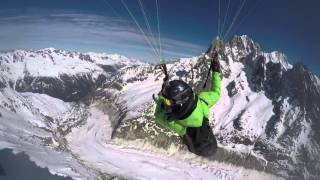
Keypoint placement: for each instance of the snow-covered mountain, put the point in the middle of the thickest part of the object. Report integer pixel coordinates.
(90, 115)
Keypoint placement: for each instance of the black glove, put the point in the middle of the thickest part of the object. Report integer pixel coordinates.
(215, 65)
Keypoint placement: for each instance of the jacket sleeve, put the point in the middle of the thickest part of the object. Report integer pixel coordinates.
(161, 119)
(212, 97)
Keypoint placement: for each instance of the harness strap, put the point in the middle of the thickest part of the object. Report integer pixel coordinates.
(165, 71)
(210, 68)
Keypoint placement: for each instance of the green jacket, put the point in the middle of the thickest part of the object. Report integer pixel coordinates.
(205, 101)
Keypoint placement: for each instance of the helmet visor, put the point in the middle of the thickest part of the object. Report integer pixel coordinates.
(168, 102)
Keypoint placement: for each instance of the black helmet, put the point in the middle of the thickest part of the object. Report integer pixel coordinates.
(180, 100)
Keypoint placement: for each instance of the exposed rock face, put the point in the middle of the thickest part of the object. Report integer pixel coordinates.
(65, 87)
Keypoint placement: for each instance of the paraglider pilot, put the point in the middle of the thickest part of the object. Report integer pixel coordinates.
(186, 113)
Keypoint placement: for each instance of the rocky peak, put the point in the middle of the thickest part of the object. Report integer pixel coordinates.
(241, 46)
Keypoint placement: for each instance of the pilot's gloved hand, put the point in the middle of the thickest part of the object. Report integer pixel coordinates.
(215, 65)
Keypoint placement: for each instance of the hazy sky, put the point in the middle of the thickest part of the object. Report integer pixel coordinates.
(187, 26)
